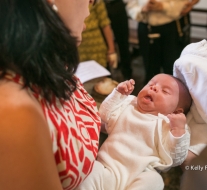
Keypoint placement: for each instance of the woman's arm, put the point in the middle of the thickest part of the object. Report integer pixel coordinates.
(108, 34)
(27, 160)
(111, 53)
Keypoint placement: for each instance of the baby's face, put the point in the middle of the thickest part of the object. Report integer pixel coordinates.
(160, 95)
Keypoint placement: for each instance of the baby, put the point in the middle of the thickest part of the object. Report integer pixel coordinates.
(146, 134)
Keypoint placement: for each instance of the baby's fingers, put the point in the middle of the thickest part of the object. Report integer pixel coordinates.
(130, 84)
(178, 116)
(126, 87)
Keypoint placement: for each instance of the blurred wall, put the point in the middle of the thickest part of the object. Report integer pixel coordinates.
(199, 18)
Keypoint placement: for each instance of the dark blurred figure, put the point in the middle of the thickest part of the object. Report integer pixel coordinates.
(119, 23)
(195, 175)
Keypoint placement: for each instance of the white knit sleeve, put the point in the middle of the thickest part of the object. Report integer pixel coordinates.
(178, 147)
(111, 106)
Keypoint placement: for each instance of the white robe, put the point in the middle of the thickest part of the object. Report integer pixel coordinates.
(191, 68)
(137, 143)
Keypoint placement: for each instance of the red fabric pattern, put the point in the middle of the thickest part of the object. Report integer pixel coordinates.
(74, 126)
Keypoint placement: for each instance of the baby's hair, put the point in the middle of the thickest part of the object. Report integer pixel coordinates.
(185, 99)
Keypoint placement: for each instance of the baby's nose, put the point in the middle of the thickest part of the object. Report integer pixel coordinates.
(154, 88)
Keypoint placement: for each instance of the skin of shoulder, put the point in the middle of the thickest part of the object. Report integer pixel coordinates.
(27, 160)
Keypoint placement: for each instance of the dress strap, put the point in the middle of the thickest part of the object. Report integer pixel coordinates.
(10, 75)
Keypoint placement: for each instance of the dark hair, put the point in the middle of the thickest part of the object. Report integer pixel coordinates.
(185, 99)
(36, 44)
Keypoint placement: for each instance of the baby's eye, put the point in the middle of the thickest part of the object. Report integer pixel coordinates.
(165, 91)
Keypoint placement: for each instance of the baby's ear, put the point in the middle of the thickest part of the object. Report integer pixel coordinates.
(179, 110)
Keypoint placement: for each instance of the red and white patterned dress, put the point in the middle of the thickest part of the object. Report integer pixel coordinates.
(74, 127)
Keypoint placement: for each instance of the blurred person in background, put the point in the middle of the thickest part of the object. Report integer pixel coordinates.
(163, 31)
(98, 39)
(119, 22)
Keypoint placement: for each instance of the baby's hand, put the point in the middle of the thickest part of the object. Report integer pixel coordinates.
(126, 87)
(177, 124)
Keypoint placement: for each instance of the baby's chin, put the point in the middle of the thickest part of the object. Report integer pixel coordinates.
(147, 110)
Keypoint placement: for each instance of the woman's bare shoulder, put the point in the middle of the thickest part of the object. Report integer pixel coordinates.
(14, 94)
(18, 107)
(19, 110)
(25, 142)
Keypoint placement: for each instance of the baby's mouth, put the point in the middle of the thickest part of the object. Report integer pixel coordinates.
(149, 98)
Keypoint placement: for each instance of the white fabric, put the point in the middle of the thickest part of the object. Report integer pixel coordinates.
(191, 68)
(172, 10)
(102, 178)
(136, 143)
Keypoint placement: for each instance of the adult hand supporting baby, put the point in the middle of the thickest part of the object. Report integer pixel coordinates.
(188, 160)
(126, 87)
